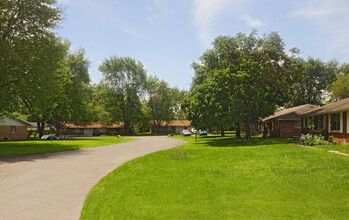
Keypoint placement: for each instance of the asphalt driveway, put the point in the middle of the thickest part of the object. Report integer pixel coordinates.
(54, 185)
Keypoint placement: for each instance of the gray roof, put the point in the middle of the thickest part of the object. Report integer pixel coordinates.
(341, 105)
(292, 113)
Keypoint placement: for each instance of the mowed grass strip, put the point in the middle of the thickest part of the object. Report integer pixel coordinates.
(223, 178)
(11, 148)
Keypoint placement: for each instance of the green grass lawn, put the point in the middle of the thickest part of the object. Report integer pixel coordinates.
(344, 148)
(10, 148)
(224, 178)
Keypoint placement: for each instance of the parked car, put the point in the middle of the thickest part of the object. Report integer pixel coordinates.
(186, 133)
(203, 133)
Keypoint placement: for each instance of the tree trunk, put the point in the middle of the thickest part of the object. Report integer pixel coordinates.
(238, 133)
(41, 127)
(127, 129)
(265, 131)
(248, 130)
(222, 132)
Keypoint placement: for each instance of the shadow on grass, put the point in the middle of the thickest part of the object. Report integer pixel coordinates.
(215, 141)
(73, 152)
(16, 149)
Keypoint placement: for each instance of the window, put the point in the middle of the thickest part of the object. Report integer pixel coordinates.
(305, 122)
(298, 123)
(13, 129)
(335, 122)
(317, 123)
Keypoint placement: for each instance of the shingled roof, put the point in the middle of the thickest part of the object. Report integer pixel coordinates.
(341, 105)
(292, 113)
(179, 123)
(93, 125)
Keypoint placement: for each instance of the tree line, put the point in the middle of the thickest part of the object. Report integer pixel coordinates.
(240, 80)
(247, 77)
(44, 81)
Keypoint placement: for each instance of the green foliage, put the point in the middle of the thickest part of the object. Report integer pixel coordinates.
(72, 95)
(314, 82)
(340, 88)
(242, 79)
(161, 103)
(28, 47)
(125, 82)
(311, 139)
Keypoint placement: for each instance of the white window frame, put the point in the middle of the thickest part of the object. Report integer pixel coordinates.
(347, 122)
(340, 122)
(325, 119)
(13, 129)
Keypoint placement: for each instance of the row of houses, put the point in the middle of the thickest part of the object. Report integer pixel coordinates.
(331, 120)
(15, 128)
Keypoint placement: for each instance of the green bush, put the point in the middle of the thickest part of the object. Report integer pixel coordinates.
(311, 139)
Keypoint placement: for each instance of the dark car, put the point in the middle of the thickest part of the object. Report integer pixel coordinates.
(203, 133)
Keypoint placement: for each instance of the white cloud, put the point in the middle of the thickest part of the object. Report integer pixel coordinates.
(205, 12)
(331, 16)
(251, 22)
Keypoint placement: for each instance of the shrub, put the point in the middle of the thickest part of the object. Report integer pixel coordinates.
(311, 140)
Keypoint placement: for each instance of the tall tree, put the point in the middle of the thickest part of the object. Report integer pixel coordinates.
(25, 28)
(314, 81)
(39, 98)
(125, 79)
(242, 79)
(73, 95)
(161, 102)
(340, 88)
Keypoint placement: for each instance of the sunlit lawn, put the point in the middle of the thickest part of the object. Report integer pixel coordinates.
(8, 148)
(224, 178)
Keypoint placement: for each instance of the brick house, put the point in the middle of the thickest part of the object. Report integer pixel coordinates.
(331, 119)
(286, 123)
(92, 128)
(13, 128)
(175, 126)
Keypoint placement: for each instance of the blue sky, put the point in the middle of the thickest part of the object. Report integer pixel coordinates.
(168, 35)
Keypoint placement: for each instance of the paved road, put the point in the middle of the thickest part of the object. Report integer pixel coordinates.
(54, 185)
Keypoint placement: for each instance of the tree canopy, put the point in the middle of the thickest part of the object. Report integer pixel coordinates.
(26, 42)
(242, 79)
(125, 80)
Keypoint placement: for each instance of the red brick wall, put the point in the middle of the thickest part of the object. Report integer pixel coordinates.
(288, 129)
(21, 133)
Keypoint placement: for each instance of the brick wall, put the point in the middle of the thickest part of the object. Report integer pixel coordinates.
(288, 129)
(20, 134)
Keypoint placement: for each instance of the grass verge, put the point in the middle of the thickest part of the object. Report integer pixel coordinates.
(224, 178)
(12, 148)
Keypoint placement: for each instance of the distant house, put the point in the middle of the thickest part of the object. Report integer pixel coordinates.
(331, 119)
(92, 128)
(175, 126)
(34, 128)
(287, 122)
(13, 128)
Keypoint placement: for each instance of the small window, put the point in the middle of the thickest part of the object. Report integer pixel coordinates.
(305, 122)
(335, 122)
(298, 123)
(13, 129)
(317, 123)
